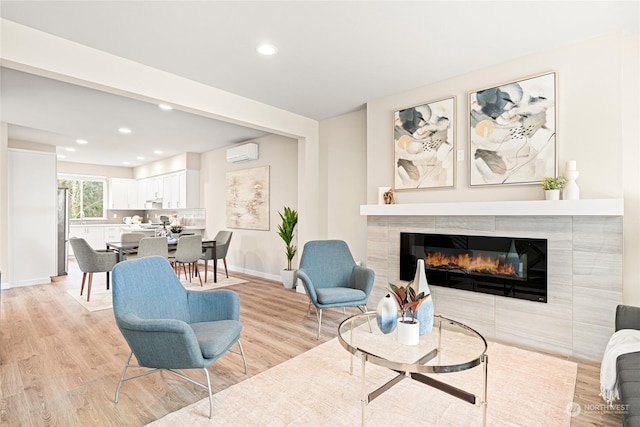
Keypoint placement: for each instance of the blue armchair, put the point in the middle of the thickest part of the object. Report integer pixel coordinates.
(168, 327)
(332, 278)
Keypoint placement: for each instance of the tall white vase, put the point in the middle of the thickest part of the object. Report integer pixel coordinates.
(425, 311)
(571, 190)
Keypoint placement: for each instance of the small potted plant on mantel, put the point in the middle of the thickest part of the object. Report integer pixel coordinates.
(285, 230)
(408, 300)
(552, 186)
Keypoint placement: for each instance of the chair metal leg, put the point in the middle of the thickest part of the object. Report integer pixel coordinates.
(124, 371)
(206, 386)
(241, 352)
(244, 360)
(319, 316)
(210, 395)
(123, 379)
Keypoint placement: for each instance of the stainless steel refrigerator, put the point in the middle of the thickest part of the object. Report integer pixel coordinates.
(63, 231)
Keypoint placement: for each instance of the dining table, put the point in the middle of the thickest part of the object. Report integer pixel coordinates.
(208, 248)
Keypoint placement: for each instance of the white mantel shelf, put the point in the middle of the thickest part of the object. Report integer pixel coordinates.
(588, 207)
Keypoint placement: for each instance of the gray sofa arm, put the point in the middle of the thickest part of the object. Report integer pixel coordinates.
(627, 317)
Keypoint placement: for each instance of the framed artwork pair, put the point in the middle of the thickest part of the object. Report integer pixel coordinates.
(511, 137)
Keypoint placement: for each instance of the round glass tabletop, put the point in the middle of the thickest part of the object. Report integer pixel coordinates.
(450, 347)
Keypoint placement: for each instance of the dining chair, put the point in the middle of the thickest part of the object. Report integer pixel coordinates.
(169, 328)
(150, 246)
(131, 238)
(332, 279)
(222, 239)
(189, 251)
(92, 261)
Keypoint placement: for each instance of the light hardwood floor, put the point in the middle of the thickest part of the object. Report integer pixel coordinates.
(60, 364)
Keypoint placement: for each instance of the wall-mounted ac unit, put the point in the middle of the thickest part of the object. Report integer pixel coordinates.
(242, 153)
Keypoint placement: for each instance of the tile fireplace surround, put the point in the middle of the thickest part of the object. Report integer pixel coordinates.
(584, 271)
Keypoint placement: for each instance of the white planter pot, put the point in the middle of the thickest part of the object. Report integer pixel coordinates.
(552, 194)
(288, 278)
(408, 333)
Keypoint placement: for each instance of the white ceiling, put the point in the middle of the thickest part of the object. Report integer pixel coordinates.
(333, 58)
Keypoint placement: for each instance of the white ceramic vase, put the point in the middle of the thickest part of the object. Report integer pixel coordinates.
(387, 314)
(425, 311)
(571, 190)
(408, 332)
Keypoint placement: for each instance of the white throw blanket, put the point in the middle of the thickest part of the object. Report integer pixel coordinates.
(622, 342)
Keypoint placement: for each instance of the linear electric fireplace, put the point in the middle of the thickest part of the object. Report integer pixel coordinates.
(507, 266)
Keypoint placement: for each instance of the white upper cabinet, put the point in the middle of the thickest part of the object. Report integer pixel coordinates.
(123, 194)
(177, 190)
(181, 190)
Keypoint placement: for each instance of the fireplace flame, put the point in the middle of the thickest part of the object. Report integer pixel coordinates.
(467, 262)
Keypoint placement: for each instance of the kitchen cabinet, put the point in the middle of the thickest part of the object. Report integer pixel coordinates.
(123, 194)
(171, 191)
(177, 190)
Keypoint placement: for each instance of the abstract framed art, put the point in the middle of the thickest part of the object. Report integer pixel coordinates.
(424, 142)
(248, 198)
(512, 132)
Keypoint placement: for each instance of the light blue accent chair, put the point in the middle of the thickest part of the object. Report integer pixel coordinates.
(332, 278)
(168, 327)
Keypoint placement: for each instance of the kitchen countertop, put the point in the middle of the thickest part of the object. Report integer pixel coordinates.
(134, 227)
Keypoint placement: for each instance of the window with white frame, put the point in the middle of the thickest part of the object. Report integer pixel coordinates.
(87, 196)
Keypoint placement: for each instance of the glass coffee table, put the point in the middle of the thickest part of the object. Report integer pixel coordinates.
(450, 347)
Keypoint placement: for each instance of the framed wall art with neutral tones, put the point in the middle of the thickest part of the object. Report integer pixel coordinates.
(512, 132)
(248, 198)
(424, 142)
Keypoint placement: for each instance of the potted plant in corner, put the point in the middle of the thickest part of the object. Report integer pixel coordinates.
(552, 187)
(408, 300)
(285, 230)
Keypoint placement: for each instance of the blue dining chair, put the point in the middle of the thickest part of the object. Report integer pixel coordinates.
(168, 327)
(332, 278)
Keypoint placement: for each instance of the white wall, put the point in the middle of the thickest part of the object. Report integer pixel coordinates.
(343, 142)
(32, 217)
(257, 252)
(594, 78)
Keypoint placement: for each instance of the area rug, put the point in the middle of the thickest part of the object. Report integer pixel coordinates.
(101, 298)
(316, 389)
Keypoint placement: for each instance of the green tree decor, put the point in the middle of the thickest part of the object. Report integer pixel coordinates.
(285, 231)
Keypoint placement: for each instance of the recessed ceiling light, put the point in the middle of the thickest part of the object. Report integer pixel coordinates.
(125, 163)
(82, 141)
(140, 158)
(70, 149)
(62, 156)
(124, 130)
(157, 152)
(165, 107)
(267, 49)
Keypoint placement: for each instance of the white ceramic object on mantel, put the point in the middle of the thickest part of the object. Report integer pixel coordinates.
(288, 278)
(408, 332)
(552, 194)
(571, 190)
